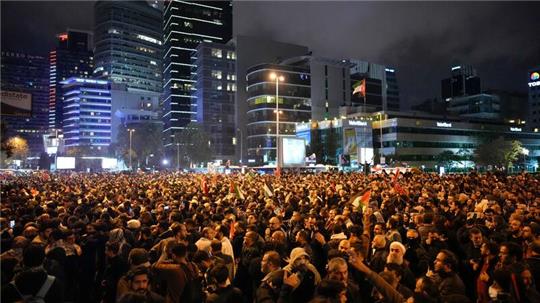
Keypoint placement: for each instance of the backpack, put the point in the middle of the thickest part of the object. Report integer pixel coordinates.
(39, 297)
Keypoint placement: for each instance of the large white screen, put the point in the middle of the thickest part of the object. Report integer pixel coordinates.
(65, 163)
(109, 163)
(294, 152)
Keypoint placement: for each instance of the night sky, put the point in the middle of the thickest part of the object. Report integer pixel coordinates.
(422, 40)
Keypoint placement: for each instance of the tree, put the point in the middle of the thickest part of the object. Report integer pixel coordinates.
(145, 141)
(193, 144)
(446, 158)
(18, 147)
(498, 152)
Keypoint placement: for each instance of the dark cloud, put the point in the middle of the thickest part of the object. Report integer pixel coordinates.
(420, 39)
(31, 26)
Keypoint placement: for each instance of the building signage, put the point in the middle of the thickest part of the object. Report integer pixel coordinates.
(357, 123)
(444, 124)
(303, 127)
(535, 78)
(14, 103)
(515, 129)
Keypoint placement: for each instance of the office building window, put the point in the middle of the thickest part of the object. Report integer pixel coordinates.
(217, 53)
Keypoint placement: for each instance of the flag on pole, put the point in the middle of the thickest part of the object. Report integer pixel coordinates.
(361, 200)
(234, 189)
(400, 190)
(361, 88)
(396, 175)
(268, 190)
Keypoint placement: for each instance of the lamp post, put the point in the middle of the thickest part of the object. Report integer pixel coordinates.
(278, 78)
(177, 156)
(381, 157)
(241, 146)
(130, 130)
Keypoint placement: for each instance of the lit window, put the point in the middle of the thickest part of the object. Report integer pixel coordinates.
(217, 53)
(216, 74)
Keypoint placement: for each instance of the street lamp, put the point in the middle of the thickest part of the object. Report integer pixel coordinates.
(177, 156)
(241, 146)
(278, 78)
(130, 130)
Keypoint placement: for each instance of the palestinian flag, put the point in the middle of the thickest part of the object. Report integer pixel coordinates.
(234, 189)
(361, 200)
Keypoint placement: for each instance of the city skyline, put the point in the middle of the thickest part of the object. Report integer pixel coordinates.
(420, 40)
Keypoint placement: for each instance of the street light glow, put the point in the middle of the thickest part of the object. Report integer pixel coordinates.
(165, 162)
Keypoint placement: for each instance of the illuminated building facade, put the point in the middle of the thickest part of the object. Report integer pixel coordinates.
(294, 98)
(533, 84)
(185, 25)
(215, 86)
(128, 44)
(25, 76)
(87, 113)
(72, 57)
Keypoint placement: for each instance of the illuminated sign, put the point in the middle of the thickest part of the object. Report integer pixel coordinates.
(14, 103)
(444, 124)
(515, 129)
(357, 123)
(456, 67)
(149, 39)
(389, 70)
(302, 127)
(92, 81)
(535, 76)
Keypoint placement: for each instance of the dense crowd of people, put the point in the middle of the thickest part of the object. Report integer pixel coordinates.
(297, 237)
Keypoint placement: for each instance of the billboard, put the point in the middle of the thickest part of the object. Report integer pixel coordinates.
(350, 146)
(293, 152)
(15, 103)
(65, 163)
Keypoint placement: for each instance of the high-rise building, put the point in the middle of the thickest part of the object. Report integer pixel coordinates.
(25, 82)
(215, 86)
(330, 84)
(72, 57)
(130, 108)
(464, 81)
(128, 44)
(294, 100)
(381, 88)
(185, 25)
(87, 113)
(480, 106)
(533, 121)
(251, 51)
